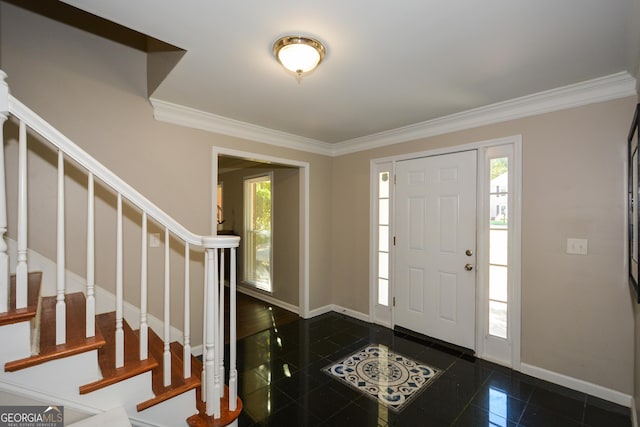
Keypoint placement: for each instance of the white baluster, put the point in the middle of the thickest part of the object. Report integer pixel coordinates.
(119, 288)
(213, 396)
(205, 319)
(4, 256)
(21, 267)
(167, 310)
(144, 327)
(233, 373)
(217, 386)
(91, 300)
(186, 354)
(220, 344)
(61, 308)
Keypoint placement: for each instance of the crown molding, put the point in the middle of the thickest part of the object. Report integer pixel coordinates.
(197, 119)
(619, 85)
(601, 89)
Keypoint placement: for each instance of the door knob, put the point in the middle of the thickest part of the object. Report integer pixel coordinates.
(468, 252)
(468, 267)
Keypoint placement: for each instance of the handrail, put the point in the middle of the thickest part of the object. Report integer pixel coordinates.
(56, 138)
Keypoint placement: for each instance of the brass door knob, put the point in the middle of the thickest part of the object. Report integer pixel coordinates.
(468, 267)
(468, 252)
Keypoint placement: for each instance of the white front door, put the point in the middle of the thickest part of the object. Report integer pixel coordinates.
(435, 286)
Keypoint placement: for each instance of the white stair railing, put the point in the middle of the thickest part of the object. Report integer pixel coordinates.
(166, 355)
(213, 374)
(233, 372)
(21, 267)
(144, 327)
(119, 287)
(91, 261)
(61, 307)
(212, 342)
(4, 255)
(220, 344)
(186, 333)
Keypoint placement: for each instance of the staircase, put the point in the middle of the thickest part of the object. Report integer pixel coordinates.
(59, 348)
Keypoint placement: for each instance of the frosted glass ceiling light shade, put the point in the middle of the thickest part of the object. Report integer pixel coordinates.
(300, 55)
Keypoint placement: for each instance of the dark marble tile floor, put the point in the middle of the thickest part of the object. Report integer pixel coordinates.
(281, 384)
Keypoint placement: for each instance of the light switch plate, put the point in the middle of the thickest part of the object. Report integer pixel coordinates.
(577, 246)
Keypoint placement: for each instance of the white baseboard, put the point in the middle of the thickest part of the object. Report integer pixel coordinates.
(267, 298)
(350, 313)
(578, 385)
(340, 310)
(320, 311)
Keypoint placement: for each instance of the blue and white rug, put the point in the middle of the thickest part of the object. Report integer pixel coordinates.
(392, 379)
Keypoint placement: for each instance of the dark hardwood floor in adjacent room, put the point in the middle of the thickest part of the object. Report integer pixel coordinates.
(254, 315)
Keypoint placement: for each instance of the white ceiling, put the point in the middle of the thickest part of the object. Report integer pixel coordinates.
(389, 64)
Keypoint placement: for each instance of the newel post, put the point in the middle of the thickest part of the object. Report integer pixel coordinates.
(4, 256)
(214, 325)
(212, 391)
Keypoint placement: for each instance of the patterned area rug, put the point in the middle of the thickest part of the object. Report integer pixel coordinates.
(390, 378)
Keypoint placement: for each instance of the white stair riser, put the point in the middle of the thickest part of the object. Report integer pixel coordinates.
(60, 377)
(18, 334)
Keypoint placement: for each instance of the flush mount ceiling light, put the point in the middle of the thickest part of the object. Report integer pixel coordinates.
(298, 54)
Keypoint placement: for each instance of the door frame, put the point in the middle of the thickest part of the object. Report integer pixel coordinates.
(303, 167)
(515, 141)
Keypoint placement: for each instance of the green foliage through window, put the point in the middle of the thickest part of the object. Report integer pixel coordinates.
(499, 166)
(262, 206)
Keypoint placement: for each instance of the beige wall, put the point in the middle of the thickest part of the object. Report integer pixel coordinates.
(93, 91)
(576, 316)
(286, 203)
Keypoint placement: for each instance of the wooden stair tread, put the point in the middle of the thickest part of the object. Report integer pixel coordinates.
(179, 384)
(201, 419)
(75, 326)
(14, 315)
(133, 366)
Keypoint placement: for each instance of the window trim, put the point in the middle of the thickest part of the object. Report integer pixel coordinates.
(493, 348)
(378, 313)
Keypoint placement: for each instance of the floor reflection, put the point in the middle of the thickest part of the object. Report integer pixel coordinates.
(497, 408)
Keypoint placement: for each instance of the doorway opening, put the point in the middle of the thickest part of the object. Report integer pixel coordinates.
(273, 258)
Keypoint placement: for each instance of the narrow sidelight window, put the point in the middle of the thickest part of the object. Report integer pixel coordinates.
(383, 238)
(498, 246)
